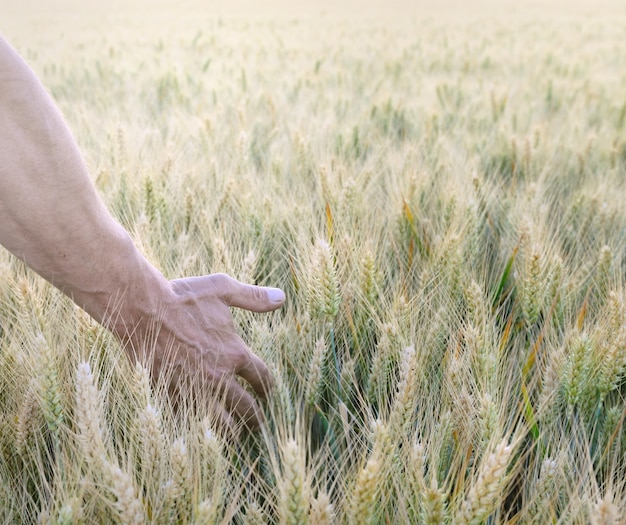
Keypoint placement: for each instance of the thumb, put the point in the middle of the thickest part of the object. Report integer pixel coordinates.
(248, 296)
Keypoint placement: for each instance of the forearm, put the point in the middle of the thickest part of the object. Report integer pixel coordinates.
(50, 214)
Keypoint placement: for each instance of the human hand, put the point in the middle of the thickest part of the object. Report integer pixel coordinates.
(53, 219)
(197, 349)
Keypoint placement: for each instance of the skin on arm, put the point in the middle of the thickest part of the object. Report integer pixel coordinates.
(53, 219)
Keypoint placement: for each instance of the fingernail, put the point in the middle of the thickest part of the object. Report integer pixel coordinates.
(276, 295)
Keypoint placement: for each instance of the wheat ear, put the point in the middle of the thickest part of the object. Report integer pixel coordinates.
(88, 413)
(434, 509)
(205, 513)
(315, 375)
(605, 512)
(293, 507)
(129, 507)
(484, 494)
(322, 510)
(364, 495)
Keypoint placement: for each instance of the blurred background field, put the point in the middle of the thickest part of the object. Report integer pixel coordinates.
(439, 189)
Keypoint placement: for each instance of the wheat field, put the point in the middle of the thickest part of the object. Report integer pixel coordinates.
(441, 193)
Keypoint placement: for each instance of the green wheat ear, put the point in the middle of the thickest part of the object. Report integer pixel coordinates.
(370, 278)
(53, 404)
(576, 377)
(434, 504)
(534, 292)
(611, 346)
(315, 376)
(476, 304)
(150, 200)
(324, 291)
(89, 421)
(604, 271)
(282, 399)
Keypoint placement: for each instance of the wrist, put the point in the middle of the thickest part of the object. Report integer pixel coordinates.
(138, 308)
(129, 295)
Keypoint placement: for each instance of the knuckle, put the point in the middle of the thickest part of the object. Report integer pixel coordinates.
(258, 294)
(240, 358)
(224, 286)
(222, 281)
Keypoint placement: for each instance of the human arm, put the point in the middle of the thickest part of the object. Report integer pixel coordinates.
(52, 218)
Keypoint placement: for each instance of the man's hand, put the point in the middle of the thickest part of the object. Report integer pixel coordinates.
(197, 347)
(52, 218)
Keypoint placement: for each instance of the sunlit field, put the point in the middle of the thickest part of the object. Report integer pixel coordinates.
(441, 194)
